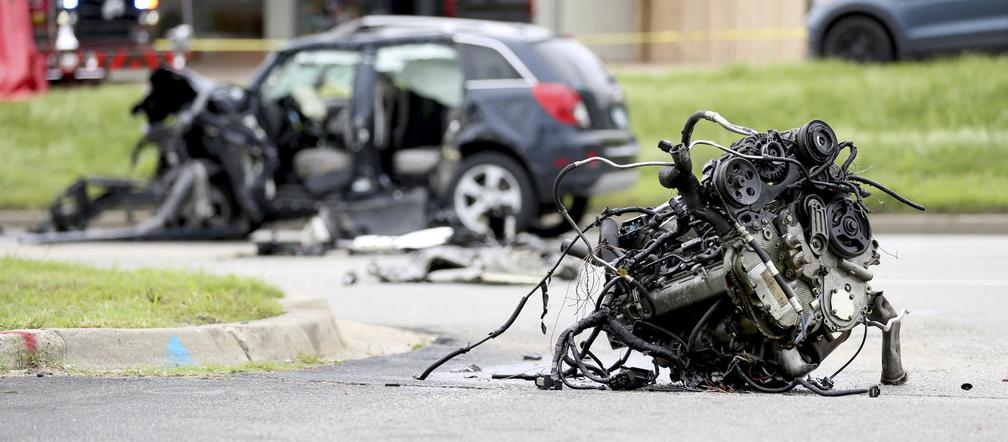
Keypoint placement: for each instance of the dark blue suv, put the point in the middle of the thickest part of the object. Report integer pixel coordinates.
(384, 125)
(491, 111)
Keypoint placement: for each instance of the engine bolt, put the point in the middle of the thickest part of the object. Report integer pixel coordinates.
(846, 287)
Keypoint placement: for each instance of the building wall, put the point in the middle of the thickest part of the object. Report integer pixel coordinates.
(590, 17)
(724, 31)
(705, 32)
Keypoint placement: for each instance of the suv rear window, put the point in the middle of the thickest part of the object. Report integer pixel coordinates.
(573, 62)
(483, 63)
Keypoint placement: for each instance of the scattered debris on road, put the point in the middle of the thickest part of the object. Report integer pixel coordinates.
(482, 265)
(747, 279)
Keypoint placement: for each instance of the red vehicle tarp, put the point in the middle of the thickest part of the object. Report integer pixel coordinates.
(22, 67)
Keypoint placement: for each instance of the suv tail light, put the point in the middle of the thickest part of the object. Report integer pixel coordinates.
(562, 103)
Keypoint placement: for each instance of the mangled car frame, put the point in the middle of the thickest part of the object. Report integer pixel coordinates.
(747, 279)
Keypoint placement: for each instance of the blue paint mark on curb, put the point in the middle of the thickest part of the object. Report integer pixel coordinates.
(177, 354)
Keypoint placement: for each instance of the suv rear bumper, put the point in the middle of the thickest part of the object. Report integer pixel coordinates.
(614, 182)
(596, 178)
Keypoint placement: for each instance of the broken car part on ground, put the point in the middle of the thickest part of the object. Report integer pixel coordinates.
(749, 278)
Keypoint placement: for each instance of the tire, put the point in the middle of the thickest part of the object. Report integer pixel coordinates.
(489, 180)
(224, 212)
(859, 39)
(550, 223)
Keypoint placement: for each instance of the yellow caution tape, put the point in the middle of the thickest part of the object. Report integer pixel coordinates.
(225, 44)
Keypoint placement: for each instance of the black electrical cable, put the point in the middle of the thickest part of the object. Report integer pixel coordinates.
(573, 386)
(505, 326)
(597, 369)
(850, 157)
(873, 391)
(580, 364)
(788, 387)
(614, 327)
(588, 352)
(562, 209)
(832, 159)
(621, 361)
(818, 390)
(863, 339)
(885, 189)
(665, 332)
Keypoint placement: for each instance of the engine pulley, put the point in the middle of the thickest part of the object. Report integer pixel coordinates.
(849, 231)
(738, 181)
(816, 142)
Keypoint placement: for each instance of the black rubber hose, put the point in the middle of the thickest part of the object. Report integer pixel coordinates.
(703, 320)
(683, 180)
(885, 189)
(687, 130)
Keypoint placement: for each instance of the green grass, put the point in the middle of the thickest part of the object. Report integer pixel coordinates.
(936, 131)
(47, 142)
(36, 294)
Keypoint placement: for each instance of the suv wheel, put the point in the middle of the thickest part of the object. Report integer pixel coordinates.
(487, 184)
(858, 39)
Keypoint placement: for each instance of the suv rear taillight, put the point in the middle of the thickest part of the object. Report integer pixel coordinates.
(562, 103)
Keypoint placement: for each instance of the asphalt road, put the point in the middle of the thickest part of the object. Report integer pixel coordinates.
(956, 287)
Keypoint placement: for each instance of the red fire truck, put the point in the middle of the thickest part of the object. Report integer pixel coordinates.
(90, 39)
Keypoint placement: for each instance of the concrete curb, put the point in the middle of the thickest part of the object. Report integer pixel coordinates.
(308, 327)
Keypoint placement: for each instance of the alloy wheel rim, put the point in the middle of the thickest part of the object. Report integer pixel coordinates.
(483, 190)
